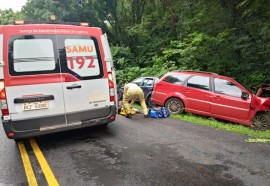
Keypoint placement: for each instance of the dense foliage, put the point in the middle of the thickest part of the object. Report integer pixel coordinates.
(8, 16)
(151, 37)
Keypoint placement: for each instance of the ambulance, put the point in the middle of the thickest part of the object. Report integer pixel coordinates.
(54, 77)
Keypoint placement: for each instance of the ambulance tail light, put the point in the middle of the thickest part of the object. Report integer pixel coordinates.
(111, 86)
(3, 100)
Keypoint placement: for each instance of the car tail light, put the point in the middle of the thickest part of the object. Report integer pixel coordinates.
(3, 100)
(111, 86)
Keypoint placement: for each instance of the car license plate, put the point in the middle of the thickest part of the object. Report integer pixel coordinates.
(35, 105)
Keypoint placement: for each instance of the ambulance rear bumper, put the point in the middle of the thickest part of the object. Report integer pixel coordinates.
(41, 126)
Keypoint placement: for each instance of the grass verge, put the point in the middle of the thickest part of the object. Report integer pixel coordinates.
(236, 128)
(233, 127)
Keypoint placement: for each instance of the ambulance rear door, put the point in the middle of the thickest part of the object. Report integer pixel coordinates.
(87, 96)
(33, 81)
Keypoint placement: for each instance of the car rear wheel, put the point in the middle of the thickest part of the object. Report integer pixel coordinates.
(261, 121)
(149, 102)
(175, 106)
(120, 96)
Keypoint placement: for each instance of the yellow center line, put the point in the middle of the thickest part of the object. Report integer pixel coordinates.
(27, 166)
(43, 164)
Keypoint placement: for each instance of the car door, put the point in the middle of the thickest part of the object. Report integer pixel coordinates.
(198, 94)
(139, 82)
(227, 101)
(147, 86)
(85, 85)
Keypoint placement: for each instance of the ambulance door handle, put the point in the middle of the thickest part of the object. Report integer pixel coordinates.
(28, 99)
(74, 86)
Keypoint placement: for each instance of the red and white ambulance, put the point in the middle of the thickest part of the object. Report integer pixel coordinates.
(54, 77)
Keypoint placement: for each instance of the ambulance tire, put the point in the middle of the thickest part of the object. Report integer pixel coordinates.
(18, 140)
(104, 126)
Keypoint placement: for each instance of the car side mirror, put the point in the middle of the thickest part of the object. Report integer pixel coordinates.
(244, 95)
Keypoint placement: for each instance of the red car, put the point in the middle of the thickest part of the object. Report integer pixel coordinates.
(212, 95)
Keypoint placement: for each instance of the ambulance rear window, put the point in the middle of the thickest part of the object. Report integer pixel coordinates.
(33, 55)
(82, 57)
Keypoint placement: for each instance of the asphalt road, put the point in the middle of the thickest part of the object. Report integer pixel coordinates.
(143, 152)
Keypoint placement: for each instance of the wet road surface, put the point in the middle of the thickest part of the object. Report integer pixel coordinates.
(141, 151)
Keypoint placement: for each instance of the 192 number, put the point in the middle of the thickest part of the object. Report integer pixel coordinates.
(80, 60)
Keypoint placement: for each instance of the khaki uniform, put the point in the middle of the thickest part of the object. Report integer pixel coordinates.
(132, 92)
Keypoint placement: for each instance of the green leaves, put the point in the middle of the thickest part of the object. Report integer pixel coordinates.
(8, 16)
(152, 37)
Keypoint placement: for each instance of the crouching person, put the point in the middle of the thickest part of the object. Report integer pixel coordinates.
(132, 92)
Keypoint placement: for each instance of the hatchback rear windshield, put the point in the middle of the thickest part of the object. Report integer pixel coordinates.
(176, 78)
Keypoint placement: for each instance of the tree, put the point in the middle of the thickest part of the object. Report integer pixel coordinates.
(8, 16)
(149, 37)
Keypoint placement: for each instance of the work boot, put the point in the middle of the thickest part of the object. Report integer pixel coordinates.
(145, 116)
(128, 116)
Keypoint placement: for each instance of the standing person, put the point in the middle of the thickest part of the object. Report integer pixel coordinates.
(132, 92)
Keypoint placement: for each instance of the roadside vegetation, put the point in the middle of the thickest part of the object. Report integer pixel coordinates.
(215, 123)
(232, 127)
(152, 37)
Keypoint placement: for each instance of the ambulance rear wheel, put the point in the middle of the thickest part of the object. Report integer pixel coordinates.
(104, 126)
(17, 140)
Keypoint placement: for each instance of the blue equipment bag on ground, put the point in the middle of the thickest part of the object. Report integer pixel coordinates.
(158, 113)
(165, 112)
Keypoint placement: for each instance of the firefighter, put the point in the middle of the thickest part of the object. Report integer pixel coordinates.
(132, 92)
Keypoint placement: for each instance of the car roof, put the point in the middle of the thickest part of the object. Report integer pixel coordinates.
(203, 73)
(147, 77)
(195, 72)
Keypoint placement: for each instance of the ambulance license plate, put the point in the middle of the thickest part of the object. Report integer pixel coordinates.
(35, 105)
